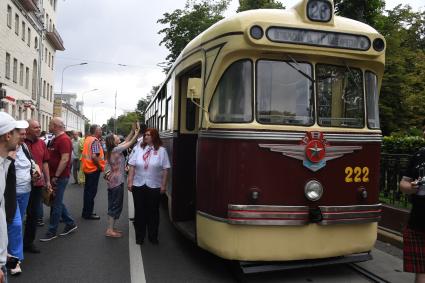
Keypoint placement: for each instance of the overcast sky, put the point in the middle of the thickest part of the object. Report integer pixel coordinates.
(105, 33)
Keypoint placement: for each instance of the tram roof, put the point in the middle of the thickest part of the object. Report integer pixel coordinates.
(292, 17)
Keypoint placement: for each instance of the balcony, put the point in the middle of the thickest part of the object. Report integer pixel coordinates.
(55, 39)
(30, 5)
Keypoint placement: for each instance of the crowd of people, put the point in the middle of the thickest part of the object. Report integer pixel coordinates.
(35, 168)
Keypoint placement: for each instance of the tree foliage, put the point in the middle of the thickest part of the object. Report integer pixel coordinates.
(402, 100)
(124, 123)
(245, 5)
(183, 25)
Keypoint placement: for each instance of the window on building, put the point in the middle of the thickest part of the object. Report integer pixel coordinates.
(14, 111)
(54, 5)
(17, 24)
(53, 57)
(35, 42)
(45, 55)
(15, 70)
(50, 55)
(51, 93)
(29, 37)
(48, 92)
(9, 16)
(34, 80)
(23, 31)
(21, 74)
(44, 89)
(47, 22)
(7, 69)
(27, 77)
(50, 25)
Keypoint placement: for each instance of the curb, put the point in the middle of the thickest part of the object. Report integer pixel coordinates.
(389, 236)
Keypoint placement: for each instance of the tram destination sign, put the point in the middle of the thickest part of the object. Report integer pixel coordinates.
(318, 38)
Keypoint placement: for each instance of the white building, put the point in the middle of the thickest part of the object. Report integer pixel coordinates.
(28, 44)
(71, 111)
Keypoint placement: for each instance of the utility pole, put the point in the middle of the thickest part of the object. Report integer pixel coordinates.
(115, 115)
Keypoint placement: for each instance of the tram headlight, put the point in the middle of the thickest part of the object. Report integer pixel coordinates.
(378, 44)
(313, 190)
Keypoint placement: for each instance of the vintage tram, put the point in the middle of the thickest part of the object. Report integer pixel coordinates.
(270, 118)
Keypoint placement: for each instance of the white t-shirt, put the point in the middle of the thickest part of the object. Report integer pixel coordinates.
(149, 171)
(23, 172)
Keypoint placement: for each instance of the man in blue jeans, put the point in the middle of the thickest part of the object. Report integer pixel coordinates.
(60, 149)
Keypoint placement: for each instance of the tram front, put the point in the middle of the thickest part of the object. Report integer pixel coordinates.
(289, 147)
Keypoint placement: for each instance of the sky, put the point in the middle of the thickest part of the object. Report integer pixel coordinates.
(119, 41)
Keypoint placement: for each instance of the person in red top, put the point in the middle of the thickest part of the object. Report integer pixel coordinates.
(60, 149)
(40, 154)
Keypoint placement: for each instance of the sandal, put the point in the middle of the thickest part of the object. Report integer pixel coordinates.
(113, 234)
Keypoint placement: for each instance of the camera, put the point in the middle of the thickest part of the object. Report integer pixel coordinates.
(421, 186)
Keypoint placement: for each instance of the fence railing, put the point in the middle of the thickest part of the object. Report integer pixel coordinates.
(392, 168)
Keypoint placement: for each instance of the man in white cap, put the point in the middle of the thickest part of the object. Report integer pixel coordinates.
(9, 138)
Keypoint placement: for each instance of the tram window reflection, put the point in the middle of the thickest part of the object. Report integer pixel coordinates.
(284, 95)
(232, 99)
(340, 96)
(372, 99)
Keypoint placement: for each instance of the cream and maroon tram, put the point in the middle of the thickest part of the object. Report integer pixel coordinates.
(271, 120)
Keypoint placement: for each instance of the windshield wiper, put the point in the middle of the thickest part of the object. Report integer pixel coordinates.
(351, 74)
(297, 68)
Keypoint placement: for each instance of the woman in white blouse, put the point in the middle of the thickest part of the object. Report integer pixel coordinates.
(147, 180)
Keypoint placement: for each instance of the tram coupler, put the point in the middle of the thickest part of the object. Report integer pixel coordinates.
(315, 215)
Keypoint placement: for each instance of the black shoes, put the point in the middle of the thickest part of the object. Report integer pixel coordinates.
(92, 217)
(68, 229)
(31, 248)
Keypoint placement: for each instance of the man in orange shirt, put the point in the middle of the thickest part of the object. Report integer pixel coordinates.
(93, 163)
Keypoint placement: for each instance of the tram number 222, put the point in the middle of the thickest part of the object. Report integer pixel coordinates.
(357, 175)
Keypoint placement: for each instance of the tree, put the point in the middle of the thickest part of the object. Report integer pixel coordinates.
(124, 122)
(245, 5)
(185, 24)
(366, 11)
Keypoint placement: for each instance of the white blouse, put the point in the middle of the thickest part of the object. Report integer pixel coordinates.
(149, 170)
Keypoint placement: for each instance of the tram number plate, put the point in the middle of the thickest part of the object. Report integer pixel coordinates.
(357, 174)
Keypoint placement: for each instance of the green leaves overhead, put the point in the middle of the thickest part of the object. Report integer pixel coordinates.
(245, 5)
(183, 25)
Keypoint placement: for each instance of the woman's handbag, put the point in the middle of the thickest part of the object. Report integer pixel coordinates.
(48, 196)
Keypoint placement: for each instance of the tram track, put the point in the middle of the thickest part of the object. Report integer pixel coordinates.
(367, 274)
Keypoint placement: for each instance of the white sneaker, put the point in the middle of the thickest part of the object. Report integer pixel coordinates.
(17, 270)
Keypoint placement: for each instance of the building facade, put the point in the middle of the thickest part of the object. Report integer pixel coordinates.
(28, 44)
(71, 111)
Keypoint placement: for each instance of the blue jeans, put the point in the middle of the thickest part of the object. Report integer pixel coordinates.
(15, 246)
(58, 209)
(115, 201)
(90, 191)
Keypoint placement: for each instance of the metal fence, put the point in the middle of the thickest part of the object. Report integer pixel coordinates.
(392, 168)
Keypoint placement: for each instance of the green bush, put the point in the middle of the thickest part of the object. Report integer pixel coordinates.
(402, 144)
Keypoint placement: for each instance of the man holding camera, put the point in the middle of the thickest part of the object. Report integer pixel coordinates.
(413, 184)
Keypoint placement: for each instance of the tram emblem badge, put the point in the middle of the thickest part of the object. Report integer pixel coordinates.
(314, 150)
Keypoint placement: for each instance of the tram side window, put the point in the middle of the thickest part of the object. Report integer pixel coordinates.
(232, 99)
(340, 96)
(372, 100)
(284, 95)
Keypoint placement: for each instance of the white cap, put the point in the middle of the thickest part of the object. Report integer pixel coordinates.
(7, 123)
(22, 124)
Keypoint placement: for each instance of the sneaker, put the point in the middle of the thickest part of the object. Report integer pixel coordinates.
(49, 236)
(17, 270)
(68, 229)
(40, 222)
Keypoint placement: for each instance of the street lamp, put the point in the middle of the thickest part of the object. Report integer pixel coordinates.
(66, 67)
(116, 94)
(82, 94)
(92, 111)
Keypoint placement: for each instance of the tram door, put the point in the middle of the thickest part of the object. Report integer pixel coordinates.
(184, 189)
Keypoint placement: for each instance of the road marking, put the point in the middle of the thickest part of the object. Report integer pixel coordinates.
(137, 271)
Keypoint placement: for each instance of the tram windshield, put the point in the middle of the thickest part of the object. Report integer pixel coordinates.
(284, 94)
(340, 96)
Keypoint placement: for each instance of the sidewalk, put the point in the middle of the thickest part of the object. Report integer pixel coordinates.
(85, 255)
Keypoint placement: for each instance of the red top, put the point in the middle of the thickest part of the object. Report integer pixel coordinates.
(58, 146)
(40, 154)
